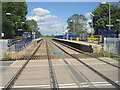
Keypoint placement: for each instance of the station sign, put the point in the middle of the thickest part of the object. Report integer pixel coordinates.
(19, 29)
(109, 25)
(3, 34)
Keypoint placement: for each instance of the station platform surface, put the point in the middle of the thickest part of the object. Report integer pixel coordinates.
(95, 47)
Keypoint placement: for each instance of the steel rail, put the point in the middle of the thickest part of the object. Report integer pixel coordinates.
(54, 83)
(89, 55)
(88, 66)
(71, 67)
(16, 76)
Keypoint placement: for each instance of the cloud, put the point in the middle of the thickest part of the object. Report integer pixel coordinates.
(40, 11)
(41, 18)
(47, 23)
(52, 23)
(51, 27)
(88, 16)
(33, 17)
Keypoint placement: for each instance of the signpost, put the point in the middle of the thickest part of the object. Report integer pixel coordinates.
(109, 25)
(19, 29)
(2, 35)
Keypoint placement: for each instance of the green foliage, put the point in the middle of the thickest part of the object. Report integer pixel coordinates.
(104, 53)
(0, 18)
(76, 23)
(32, 26)
(13, 22)
(6, 56)
(101, 18)
(49, 36)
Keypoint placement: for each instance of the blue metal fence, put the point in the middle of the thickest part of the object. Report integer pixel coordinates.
(107, 34)
(18, 44)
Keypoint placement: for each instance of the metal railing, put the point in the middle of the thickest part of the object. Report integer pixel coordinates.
(112, 45)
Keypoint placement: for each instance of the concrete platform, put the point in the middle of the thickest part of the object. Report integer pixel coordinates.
(83, 46)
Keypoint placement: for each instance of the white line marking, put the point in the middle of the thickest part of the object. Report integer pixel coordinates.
(13, 63)
(62, 61)
(103, 85)
(99, 82)
(85, 85)
(67, 84)
(1, 87)
(37, 66)
(32, 86)
(10, 66)
(69, 87)
(4, 66)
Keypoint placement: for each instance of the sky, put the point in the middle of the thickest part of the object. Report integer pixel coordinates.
(52, 16)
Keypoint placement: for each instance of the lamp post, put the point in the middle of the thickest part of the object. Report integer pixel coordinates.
(92, 15)
(64, 28)
(67, 35)
(33, 31)
(109, 16)
(109, 20)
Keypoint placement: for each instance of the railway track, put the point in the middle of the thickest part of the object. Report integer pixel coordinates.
(88, 54)
(14, 81)
(46, 69)
(53, 79)
(91, 68)
(16, 76)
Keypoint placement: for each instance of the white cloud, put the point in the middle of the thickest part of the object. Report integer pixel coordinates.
(41, 18)
(51, 27)
(47, 23)
(47, 17)
(40, 11)
(33, 17)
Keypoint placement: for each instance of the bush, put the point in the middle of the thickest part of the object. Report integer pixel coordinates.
(6, 56)
(104, 53)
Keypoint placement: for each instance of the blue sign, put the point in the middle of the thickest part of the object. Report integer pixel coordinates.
(57, 52)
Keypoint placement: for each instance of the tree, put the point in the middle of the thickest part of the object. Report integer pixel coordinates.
(77, 23)
(0, 19)
(32, 26)
(101, 17)
(13, 22)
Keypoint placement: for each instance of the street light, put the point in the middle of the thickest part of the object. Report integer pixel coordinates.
(67, 34)
(109, 16)
(64, 28)
(109, 19)
(92, 15)
(33, 31)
